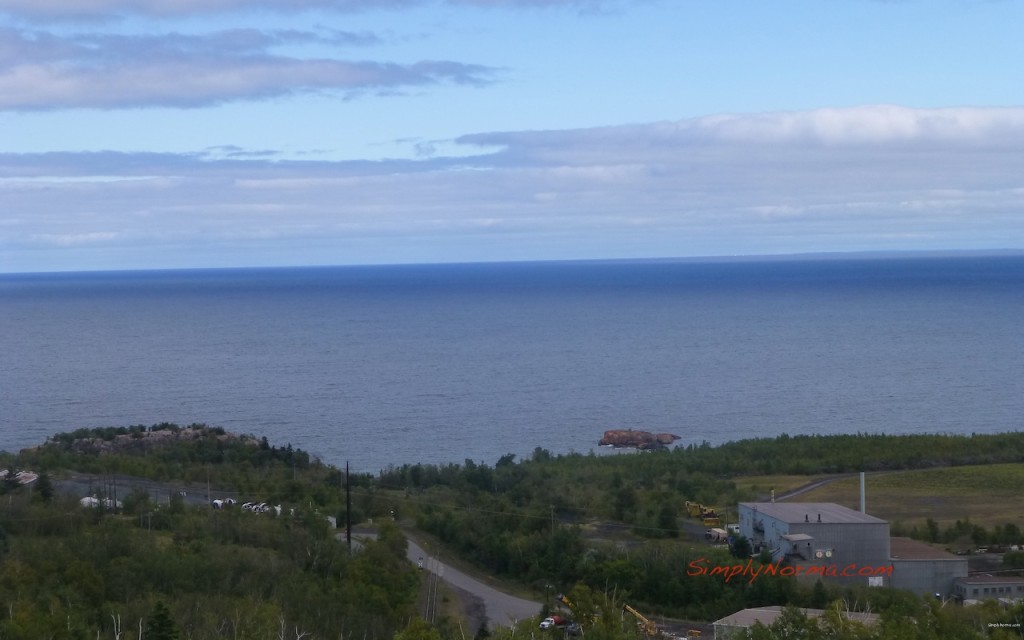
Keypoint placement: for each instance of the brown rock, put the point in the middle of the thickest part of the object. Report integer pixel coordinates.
(638, 439)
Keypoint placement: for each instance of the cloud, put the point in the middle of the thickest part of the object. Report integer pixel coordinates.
(41, 71)
(877, 177)
(851, 130)
(108, 9)
(104, 9)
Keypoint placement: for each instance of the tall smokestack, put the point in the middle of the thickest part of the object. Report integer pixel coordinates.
(863, 508)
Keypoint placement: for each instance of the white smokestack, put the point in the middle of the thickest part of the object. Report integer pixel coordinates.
(863, 508)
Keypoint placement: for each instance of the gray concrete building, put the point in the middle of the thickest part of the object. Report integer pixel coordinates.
(820, 539)
(923, 569)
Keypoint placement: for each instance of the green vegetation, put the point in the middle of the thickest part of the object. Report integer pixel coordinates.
(171, 571)
(989, 496)
(604, 529)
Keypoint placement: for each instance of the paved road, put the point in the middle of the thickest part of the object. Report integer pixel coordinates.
(502, 609)
(786, 495)
(91, 484)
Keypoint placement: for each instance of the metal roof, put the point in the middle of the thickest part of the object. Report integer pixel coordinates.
(768, 615)
(811, 512)
(989, 579)
(908, 549)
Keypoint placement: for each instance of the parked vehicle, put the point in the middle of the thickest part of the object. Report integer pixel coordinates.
(553, 622)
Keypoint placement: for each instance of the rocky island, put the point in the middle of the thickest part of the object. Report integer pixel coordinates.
(636, 439)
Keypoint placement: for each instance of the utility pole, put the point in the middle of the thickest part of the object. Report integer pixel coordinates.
(348, 510)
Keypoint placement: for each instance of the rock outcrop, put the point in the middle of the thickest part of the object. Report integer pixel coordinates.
(637, 439)
(139, 440)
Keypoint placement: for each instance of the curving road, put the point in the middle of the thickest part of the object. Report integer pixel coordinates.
(502, 608)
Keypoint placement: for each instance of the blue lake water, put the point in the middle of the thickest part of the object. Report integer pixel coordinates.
(439, 363)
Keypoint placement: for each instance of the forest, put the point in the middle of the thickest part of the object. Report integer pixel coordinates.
(605, 529)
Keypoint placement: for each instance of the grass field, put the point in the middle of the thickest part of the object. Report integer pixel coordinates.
(987, 494)
(761, 486)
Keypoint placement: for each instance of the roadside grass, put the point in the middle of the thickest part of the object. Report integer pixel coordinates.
(986, 494)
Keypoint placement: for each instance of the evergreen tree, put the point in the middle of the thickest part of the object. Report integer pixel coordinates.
(819, 596)
(44, 487)
(160, 626)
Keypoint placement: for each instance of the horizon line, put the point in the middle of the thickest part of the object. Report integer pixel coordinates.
(768, 257)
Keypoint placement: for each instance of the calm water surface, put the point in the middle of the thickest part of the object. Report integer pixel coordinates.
(393, 365)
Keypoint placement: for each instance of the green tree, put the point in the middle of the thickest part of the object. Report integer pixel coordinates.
(819, 595)
(44, 488)
(160, 626)
(741, 547)
(668, 519)
(418, 629)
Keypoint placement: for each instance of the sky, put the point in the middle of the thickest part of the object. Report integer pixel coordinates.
(151, 134)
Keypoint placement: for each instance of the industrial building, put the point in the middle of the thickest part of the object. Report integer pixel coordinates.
(823, 539)
(972, 589)
(923, 569)
(737, 625)
(834, 543)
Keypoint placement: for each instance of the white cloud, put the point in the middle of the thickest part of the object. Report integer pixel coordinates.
(42, 71)
(74, 239)
(865, 178)
(105, 9)
(866, 125)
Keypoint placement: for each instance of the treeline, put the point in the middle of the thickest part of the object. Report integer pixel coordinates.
(75, 573)
(823, 454)
(700, 468)
(1000, 535)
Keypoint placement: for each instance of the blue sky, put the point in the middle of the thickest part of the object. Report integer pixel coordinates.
(207, 133)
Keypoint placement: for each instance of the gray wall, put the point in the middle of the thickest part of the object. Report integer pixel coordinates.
(928, 577)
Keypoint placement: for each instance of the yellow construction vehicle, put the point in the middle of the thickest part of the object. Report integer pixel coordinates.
(694, 509)
(647, 627)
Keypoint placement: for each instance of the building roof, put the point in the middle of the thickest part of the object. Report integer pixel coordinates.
(798, 512)
(907, 549)
(768, 615)
(990, 579)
